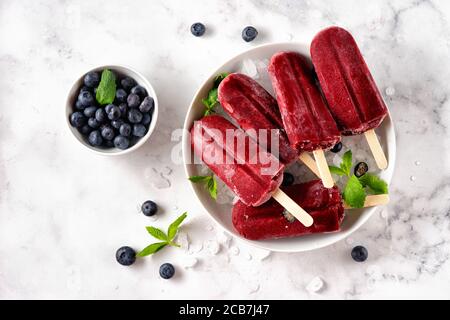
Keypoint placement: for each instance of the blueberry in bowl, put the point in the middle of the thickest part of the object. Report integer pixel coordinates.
(112, 110)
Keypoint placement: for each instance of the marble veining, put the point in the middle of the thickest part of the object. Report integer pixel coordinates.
(64, 211)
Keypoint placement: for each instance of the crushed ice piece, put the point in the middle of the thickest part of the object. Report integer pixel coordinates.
(195, 247)
(224, 238)
(224, 194)
(209, 227)
(249, 68)
(183, 240)
(156, 178)
(166, 171)
(315, 285)
(289, 217)
(234, 251)
(253, 287)
(189, 262)
(260, 254)
(349, 241)
(390, 91)
(248, 256)
(384, 213)
(412, 178)
(337, 160)
(204, 170)
(175, 207)
(417, 163)
(235, 200)
(213, 247)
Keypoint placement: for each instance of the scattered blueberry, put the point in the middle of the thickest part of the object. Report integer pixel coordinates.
(108, 108)
(92, 79)
(149, 208)
(146, 119)
(134, 116)
(288, 179)
(360, 254)
(79, 105)
(107, 132)
(166, 271)
(249, 34)
(139, 130)
(140, 91)
(85, 130)
(125, 256)
(77, 119)
(121, 142)
(90, 111)
(198, 29)
(360, 169)
(127, 83)
(125, 130)
(133, 100)
(86, 98)
(123, 107)
(100, 115)
(337, 147)
(121, 95)
(95, 138)
(114, 113)
(93, 123)
(147, 104)
(117, 123)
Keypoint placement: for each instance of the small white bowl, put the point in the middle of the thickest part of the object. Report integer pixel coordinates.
(122, 71)
(220, 213)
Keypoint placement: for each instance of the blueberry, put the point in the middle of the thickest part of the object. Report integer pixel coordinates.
(95, 138)
(107, 132)
(93, 123)
(84, 88)
(125, 130)
(108, 108)
(360, 169)
(121, 95)
(149, 208)
(117, 123)
(134, 116)
(146, 119)
(121, 142)
(133, 100)
(79, 105)
(85, 130)
(139, 130)
(77, 119)
(140, 91)
(337, 147)
(90, 111)
(198, 29)
(108, 143)
(166, 271)
(92, 79)
(125, 256)
(249, 33)
(100, 115)
(360, 254)
(288, 179)
(123, 107)
(114, 113)
(127, 83)
(147, 104)
(86, 98)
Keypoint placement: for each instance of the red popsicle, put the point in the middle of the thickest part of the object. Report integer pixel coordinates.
(270, 222)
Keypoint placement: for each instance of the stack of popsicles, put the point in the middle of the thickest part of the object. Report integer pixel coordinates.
(298, 121)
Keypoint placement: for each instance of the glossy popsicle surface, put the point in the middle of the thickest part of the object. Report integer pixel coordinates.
(346, 82)
(306, 118)
(248, 170)
(268, 221)
(253, 108)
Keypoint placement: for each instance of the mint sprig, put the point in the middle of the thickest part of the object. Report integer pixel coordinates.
(374, 183)
(345, 166)
(167, 238)
(106, 91)
(210, 184)
(212, 99)
(354, 194)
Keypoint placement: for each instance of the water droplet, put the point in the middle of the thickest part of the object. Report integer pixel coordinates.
(349, 241)
(384, 214)
(248, 256)
(213, 247)
(412, 178)
(390, 91)
(253, 287)
(315, 285)
(234, 251)
(209, 227)
(417, 163)
(224, 239)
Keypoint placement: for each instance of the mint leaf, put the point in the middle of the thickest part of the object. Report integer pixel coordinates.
(212, 187)
(157, 233)
(196, 179)
(106, 91)
(218, 79)
(151, 249)
(337, 171)
(173, 228)
(354, 194)
(376, 184)
(346, 164)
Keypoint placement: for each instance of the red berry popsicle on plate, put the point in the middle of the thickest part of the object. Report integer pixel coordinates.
(252, 173)
(306, 118)
(270, 221)
(348, 86)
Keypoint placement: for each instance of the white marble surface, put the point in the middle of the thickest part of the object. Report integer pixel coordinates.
(64, 211)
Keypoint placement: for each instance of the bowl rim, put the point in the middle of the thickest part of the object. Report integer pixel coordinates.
(127, 71)
(391, 148)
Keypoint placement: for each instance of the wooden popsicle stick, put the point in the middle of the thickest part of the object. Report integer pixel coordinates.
(377, 150)
(324, 171)
(309, 162)
(292, 207)
(373, 200)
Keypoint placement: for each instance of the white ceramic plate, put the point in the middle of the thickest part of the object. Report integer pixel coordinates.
(222, 213)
